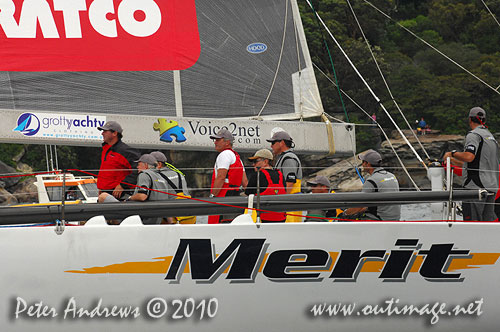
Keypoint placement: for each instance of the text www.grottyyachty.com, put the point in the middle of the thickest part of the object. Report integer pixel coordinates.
(392, 307)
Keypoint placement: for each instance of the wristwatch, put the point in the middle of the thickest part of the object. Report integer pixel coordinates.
(453, 152)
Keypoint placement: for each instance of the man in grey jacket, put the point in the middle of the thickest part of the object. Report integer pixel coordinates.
(479, 160)
(379, 180)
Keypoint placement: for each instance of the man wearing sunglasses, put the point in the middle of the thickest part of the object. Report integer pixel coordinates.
(229, 173)
(289, 164)
(271, 182)
(379, 180)
(118, 171)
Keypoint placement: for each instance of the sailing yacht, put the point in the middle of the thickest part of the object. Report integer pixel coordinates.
(173, 73)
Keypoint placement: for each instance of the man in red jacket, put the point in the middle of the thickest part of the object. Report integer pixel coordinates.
(118, 171)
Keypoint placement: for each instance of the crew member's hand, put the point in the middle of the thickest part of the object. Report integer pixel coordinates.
(117, 193)
(446, 155)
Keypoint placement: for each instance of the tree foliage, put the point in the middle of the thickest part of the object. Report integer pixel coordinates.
(423, 82)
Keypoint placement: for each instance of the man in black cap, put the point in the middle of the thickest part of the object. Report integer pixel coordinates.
(379, 180)
(479, 160)
(117, 173)
(229, 173)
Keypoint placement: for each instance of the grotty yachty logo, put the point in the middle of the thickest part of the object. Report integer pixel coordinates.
(168, 129)
(60, 126)
(28, 124)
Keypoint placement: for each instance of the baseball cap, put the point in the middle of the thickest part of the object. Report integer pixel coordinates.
(159, 156)
(148, 159)
(320, 179)
(280, 136)
(477, 111)
(111, 125)
(223, 133)
(262, 153)
(371, 156)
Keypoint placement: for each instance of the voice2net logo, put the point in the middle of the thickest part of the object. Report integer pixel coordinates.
(28, 124)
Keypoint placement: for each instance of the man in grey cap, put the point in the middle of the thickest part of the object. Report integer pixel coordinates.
(287, 161)
(149, 178)
(379, 180)
(321, 185)
(171, 174)
(479, 160)
(117, 173)
(229, 173)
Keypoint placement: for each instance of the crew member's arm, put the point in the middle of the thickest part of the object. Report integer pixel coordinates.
(289, 169)
(138, 197)
(351, 211)
(219, 181)
(244, 180)
(128, 162)
(458, 158)
(141, 192)
(118, 191)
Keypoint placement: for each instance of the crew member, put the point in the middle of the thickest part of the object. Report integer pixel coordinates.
(271, 182)
(480, 161)
(229, 173)
(321, 185)
(150, 187)
(176, 180)
(379, 180)
(175, 177)
(117, 173)
(289, 164)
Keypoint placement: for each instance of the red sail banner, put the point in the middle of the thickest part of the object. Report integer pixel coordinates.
(98, 35)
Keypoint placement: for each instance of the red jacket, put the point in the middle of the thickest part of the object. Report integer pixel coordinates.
(117, 165)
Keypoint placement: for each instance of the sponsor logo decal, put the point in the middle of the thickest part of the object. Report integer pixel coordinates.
(62, 126)
(244, 259)
(168, 129)
(28, 124)
(257, 48)
(98, 35)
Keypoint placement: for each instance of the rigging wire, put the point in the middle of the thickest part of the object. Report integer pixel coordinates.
(369, 88)
(300, 69)
(325, 42)
(380, 127)
(279, 60)
(434, 48)
(492, 15)
(385, 81)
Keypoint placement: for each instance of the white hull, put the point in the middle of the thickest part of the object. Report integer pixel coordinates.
(36, 264)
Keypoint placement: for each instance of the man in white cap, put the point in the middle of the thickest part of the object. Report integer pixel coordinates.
(117, 173)
(321, 185)
(379, 180)
(271, 182)
(479, 160)
(150, 187)
(229, 173)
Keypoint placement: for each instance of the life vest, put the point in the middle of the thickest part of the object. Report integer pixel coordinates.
(273, 189)
(234, 177)
(296, 187)
(232, 183)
